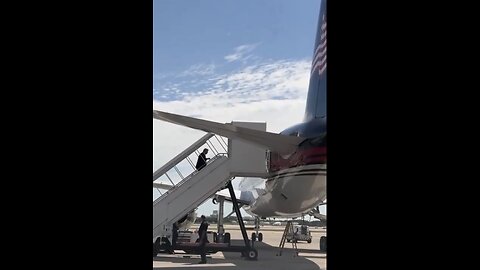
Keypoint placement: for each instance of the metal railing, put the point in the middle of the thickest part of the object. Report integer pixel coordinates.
(188, 177)
(216, 144)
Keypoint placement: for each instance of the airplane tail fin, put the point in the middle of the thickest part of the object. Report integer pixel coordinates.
(317, 91)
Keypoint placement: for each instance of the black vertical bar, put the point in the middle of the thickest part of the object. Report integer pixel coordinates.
(239, 215)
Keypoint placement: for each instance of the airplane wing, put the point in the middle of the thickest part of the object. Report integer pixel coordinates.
(281, 144)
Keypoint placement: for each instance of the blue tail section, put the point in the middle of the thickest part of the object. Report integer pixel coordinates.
(317, 91)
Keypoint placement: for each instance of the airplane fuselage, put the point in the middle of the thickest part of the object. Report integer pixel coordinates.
(298, 181)
(291, 192)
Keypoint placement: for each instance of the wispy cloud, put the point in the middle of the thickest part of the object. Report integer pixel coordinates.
(198, 69)
(241, 52)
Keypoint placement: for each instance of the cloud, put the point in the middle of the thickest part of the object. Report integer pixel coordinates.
(240, 52)
(198, 69)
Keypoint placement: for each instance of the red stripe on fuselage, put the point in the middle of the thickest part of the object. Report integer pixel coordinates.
(313, 155)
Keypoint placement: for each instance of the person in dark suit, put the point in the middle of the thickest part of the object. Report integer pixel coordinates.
(202, 239)
(202, 160)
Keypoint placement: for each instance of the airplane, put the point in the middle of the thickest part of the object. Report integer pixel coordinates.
(297, 156)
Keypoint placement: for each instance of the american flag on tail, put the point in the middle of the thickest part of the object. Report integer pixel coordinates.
(320, 56)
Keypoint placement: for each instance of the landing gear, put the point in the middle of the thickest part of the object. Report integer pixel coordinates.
(226, 238)
(255, 235)
(323, 243)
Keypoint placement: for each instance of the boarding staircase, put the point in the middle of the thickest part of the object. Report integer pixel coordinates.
(185, 188)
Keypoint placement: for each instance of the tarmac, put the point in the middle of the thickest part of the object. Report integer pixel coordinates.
(309, 256)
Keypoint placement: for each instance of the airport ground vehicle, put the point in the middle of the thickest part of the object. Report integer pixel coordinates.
(300, 233)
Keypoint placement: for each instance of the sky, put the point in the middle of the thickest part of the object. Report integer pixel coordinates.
(229, 60)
